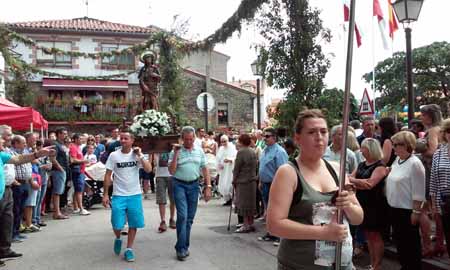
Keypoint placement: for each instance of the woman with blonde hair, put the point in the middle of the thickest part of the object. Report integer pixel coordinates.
(303, 197)
(405, 193)
(369, 182)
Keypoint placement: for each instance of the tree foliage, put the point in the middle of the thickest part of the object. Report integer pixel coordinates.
(293, 58)
(431, 76)
(331, 102)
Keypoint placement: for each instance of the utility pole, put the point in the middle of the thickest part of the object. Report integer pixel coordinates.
(205, 97)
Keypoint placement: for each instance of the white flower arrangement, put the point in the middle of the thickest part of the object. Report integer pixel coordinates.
(151, 123)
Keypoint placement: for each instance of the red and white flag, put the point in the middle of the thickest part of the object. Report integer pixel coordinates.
(347, 18)
(378, 12)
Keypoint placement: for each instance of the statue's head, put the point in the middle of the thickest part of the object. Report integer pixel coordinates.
(148, 57)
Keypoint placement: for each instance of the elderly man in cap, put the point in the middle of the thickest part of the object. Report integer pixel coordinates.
(148, 81)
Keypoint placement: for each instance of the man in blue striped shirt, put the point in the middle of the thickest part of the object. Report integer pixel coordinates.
(186, 162)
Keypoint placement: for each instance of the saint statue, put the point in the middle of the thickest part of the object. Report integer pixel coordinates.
(149, 78)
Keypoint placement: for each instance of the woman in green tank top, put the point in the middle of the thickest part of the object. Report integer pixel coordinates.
(300, 208)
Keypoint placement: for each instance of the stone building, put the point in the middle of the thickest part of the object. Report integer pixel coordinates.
(106, 102)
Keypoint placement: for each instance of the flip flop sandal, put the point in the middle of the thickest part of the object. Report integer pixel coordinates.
(162, 227)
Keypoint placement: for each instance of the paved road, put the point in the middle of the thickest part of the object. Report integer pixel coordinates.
(86, 243)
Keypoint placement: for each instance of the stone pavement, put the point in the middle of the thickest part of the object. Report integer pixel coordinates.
(85, 242)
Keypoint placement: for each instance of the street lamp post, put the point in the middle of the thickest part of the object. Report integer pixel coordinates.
(408, 11)
(256, 69)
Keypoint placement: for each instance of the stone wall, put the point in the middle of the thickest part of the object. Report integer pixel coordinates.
(239, 101)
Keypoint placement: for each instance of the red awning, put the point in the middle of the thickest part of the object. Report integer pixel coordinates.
(98, 85)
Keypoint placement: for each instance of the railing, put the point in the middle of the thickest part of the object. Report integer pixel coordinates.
(96, 112)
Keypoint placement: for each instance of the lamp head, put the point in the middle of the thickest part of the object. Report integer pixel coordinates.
(407, 11)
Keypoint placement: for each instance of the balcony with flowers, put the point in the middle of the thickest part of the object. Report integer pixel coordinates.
(59, 109)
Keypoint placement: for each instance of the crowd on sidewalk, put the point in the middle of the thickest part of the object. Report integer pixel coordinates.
(398, 181)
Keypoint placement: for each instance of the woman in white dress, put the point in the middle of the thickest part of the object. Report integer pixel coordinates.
(225, 164)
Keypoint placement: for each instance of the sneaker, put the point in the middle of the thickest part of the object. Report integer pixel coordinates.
(76, 211)
(266, 237)
(31, 229)
(22, 228)
(22, 237)
(42, 224)
(276, 242)
(117, 246)
(129, 255)
(172, 224)
(16, 239)
(181, 256)
(84, 212)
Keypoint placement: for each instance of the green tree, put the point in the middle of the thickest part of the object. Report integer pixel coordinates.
(431, 75)
(293, 58)
(18, 89)
(331, 102)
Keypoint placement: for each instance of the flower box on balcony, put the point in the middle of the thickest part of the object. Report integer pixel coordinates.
(156, 144)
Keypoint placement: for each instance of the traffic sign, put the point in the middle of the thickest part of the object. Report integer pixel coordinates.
(201, 104)
(366, 106)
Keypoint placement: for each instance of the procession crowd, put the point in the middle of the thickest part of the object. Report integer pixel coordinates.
(288, 183)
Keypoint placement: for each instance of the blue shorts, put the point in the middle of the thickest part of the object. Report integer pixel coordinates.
(32, 195)
(78, 181)
(127, 208)
(58, 182)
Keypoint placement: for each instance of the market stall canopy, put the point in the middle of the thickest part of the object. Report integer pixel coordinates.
(7, 103)
(20, 118)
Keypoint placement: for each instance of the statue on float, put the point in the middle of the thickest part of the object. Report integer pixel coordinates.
(149, 78)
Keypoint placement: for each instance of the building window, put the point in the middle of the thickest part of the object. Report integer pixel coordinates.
(54, 60)
(123, 61)
(222, 114)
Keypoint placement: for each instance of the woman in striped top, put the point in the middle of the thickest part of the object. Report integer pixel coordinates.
(440, 188)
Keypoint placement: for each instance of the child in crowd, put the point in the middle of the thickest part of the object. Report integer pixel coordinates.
(90, 155)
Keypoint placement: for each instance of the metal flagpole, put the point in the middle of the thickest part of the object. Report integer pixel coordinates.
(348, 81)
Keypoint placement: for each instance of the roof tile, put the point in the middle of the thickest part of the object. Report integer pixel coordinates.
(83, 24)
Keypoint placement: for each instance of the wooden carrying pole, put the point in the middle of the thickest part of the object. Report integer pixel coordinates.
(348, 81)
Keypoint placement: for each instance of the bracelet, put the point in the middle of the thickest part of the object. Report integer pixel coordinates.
(209, 186)
(416, 211)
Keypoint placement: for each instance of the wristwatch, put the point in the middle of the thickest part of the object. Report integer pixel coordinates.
(209, 186)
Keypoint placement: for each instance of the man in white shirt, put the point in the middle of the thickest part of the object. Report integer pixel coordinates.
(126, 202)
(164, 189)
(199, 138)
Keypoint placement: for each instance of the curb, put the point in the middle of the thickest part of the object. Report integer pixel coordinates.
(428, 264)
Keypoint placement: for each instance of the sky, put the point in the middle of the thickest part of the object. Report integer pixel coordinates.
(205, 16)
